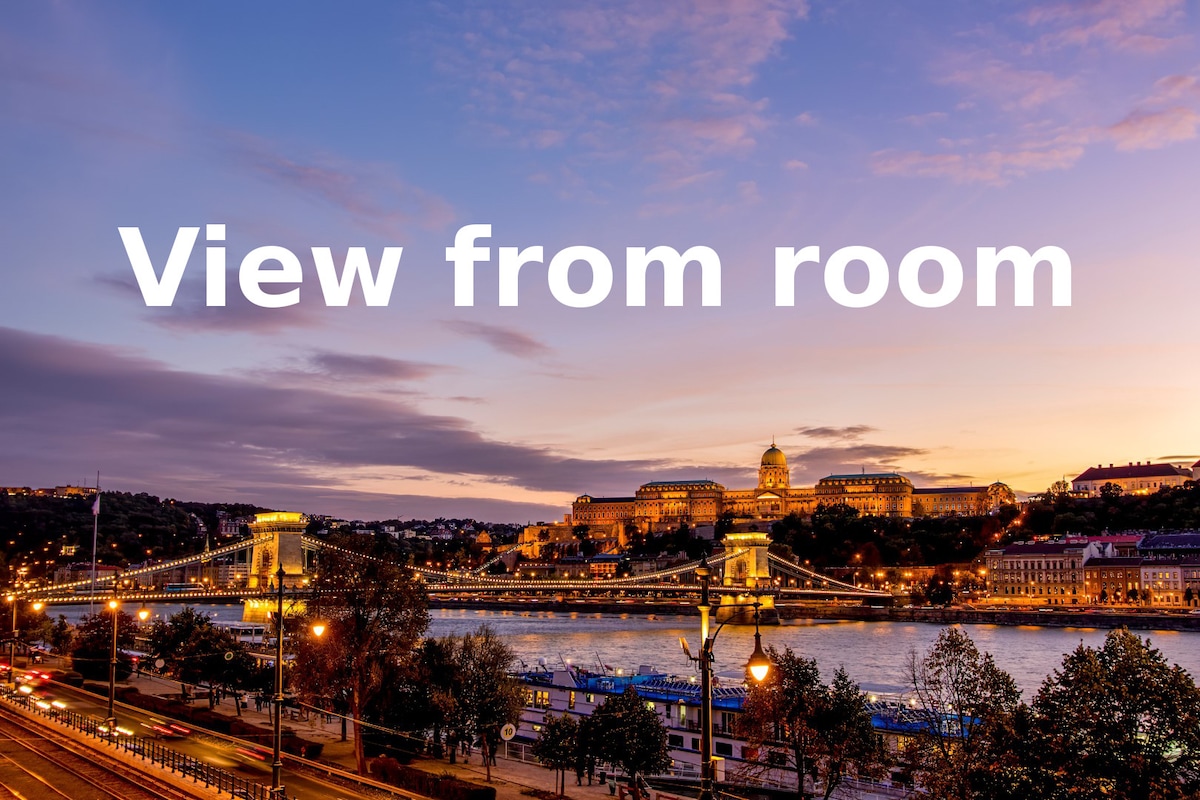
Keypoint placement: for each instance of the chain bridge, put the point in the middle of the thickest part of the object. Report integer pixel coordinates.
(245, 571)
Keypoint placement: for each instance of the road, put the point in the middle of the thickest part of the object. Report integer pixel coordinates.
(41, 761)
(242, 759)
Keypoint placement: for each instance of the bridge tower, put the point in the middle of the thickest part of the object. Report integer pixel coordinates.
(284, 547)
(286, 529)
(750, 571)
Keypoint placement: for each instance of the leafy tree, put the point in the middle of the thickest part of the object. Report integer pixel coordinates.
(628, 734)
(198, 652)
(967, 704)
(374, 613)
(487, 696)
(91, 649)
(827, 729)
(34, 626)
(426, 700)
(61, 635)
(939, 592)
(1118, 722)
(785, 708)
(849, 745)
(556, 747)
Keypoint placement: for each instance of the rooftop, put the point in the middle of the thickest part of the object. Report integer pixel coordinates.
(1138, 470)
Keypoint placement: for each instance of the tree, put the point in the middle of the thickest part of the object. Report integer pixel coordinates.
(849, 745)
(374, 613)
(487, 697)
(1118, 722)
(427, 699)
(827, 729)
(784, 709)
(61, 635)
(628, 734)
(556, 747)
(967, 705)
(91, 650)
(198, 652)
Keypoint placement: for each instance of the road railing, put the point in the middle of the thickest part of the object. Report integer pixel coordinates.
(151, 750)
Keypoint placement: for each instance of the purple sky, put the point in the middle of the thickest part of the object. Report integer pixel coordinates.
(741, 127)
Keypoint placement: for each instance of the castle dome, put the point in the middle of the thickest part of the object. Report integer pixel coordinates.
(774, 457)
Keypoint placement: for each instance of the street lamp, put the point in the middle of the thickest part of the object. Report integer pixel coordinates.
(12, 645)
(757, 669)
(277, 764)
(318, 629)
(111, 720)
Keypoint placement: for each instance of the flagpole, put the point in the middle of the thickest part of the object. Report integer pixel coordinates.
(95, 529)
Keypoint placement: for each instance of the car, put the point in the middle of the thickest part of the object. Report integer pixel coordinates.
(164, 729)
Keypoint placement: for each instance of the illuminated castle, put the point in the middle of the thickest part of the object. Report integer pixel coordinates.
(665, 505)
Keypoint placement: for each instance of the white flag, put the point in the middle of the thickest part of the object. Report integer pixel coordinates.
(96, 506)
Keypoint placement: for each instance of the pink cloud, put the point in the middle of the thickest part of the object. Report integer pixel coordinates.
(669, 82)
(1151, 130)
(1012, 87)
(374, 199)
(996, 167)
(1118, 23)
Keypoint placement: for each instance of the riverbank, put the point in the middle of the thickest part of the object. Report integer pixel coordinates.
(1083, 618)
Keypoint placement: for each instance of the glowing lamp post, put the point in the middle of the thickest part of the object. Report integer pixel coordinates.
(277, 764)
(757, 668)
(111, 720)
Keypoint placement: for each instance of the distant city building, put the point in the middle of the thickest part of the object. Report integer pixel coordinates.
(70, 573)
(1133, 478)
(665, 505)
(1163, 571)
(57, 491)
(1041, 573)
(1113, 580)
(961, 500)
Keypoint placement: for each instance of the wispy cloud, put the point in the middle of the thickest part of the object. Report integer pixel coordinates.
(353, 367)
(369, 194)
(1011, 86)
(506, 340)
(928, 118)
(72, 405)
(833, 432)
(1145, 26)
(1150, 130)
(994, 166)
(669, 84)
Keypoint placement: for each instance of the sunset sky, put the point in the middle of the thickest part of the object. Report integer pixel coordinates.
(740, 126)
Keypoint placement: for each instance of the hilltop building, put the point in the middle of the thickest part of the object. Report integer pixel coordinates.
(1133, 478)
(665, 505)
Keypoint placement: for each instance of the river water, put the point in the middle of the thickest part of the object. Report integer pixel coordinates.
(873, 653)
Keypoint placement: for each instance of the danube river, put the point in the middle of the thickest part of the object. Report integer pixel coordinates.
(873, 653)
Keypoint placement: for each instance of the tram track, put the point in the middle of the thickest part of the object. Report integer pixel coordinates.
(90, 774)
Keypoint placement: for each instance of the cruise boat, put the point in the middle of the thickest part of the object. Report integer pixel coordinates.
(577, 691)
(570, 689)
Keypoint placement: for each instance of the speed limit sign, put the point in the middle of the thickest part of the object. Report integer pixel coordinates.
(508, 732)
